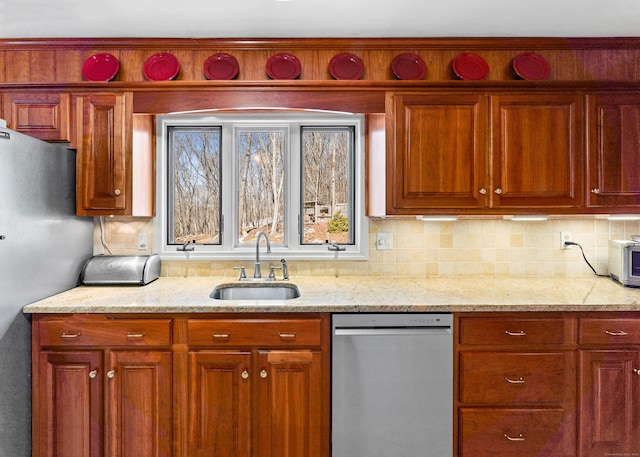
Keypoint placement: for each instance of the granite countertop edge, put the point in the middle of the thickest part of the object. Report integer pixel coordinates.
(355, 294)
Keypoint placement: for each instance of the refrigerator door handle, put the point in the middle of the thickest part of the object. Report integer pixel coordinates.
(5, 135)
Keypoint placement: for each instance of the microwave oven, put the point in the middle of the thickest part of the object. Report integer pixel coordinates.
(624, 262)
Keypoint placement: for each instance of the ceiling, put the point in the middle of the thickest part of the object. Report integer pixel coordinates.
(318, 18)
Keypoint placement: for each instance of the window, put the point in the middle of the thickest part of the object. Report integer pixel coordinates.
(223, 179)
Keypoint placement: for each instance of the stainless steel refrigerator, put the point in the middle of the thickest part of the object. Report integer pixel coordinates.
(43, 247)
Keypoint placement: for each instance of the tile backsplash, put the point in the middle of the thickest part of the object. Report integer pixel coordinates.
(490, 247)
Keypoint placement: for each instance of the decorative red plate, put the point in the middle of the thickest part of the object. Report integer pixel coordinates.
(161, 67)
(408, 66)
(346, 66)
(531, 66)
(283, 66)
(470, 66)
(221, 66)
(100, 67)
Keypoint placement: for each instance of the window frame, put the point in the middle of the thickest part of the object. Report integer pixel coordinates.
(292, 248)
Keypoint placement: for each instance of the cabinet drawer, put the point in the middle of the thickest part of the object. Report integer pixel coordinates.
(511, 331)
(254, 332)
(125, 332)
(514, 432)
(609, 331)
(512, 378)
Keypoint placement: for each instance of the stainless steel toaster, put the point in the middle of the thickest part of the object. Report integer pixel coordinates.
(112, 270)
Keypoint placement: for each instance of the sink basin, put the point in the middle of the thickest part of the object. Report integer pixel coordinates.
(255, 291)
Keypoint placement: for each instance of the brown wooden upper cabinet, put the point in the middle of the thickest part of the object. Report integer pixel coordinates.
(436, 152)
(113, 176)
(536, 152)
(469, 152)
(42, 115)
(614, 150)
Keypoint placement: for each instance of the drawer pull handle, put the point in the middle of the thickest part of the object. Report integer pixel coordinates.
(288, 336)
(619, 333)
(93, 374)
(518, 333)
(70, 335)
(135, 335)
(515, 381)
(245, 374)
(221, 336)
(514, 438)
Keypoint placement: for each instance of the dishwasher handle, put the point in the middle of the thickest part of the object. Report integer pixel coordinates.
(384, 331)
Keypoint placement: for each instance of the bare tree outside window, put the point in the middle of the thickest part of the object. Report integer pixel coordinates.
(195, 171)
(327, 174)
(261, 173)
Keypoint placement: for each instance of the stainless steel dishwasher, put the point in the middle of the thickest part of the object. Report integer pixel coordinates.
(392, 385)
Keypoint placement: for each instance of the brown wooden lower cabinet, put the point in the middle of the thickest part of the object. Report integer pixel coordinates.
(527, 384)
(258, 388)
(548, 384)
(102, 387)
(264, 403)
(84, 410)
(146, 387)
(610, 403)
(526, 432)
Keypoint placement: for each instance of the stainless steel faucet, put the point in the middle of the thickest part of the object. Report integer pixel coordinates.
(256, 272)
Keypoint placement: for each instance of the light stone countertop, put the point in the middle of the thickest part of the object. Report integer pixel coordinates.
(356, 294)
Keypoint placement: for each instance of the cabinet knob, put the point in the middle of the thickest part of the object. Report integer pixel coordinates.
(595, 191)
(93, 373)
(111, 374)
(636, 371)
(117, 192)
(498, 191)
(263, 374)
(245, 374)
(482, 191)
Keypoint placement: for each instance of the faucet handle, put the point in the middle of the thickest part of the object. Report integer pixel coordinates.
(272, 273)
(243, 274)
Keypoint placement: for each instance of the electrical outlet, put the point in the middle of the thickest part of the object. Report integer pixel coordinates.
(564, 237)
(142, 241)
(384, 241)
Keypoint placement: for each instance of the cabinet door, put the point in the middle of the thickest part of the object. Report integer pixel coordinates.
(104, 154)
(220, 404)
(610, 403)
(537, 151)
(289, 410)
(614, 150)
(68, 406)
(139, 404)
(436, 154)
(40, 115)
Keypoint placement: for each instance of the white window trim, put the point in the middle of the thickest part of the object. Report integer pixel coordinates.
(291, 249)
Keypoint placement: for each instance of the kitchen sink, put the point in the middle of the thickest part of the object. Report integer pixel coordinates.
(255, 291)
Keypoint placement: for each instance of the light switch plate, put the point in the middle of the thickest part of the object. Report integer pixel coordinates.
(384, 241)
